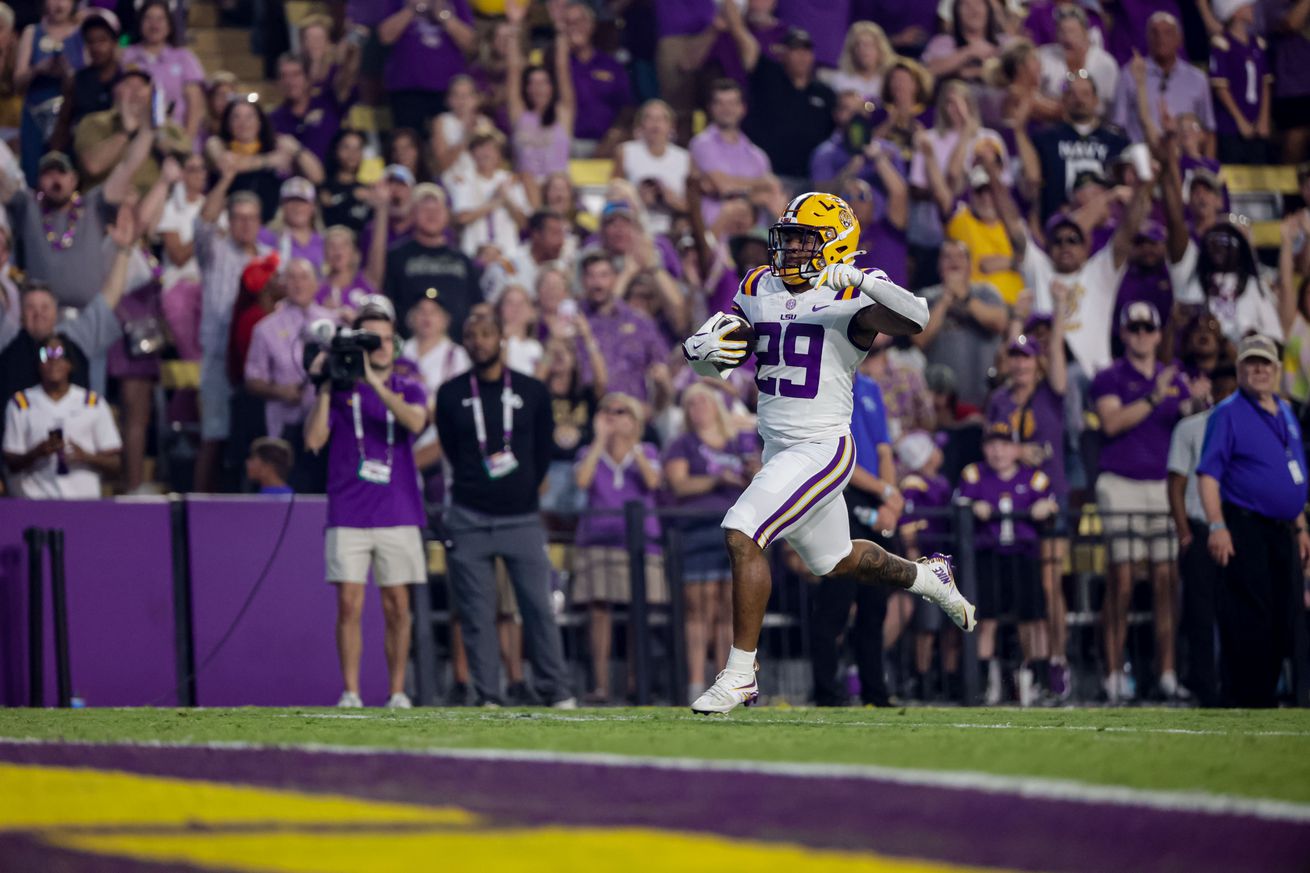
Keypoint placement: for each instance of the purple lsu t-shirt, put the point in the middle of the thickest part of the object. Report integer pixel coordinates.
(352, 502)
(602, 90)
(1140, 452)
(1024, 487)
(725, 54)
(1040, 421)
(925, 498)
(425, 58)
(316, 128)
(1244, 68)
(704, 460)
(683, 17)
(614, 486)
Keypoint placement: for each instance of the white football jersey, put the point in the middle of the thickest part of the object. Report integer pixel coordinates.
(805, 361)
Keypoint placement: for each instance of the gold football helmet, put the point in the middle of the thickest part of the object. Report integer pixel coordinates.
(815, 230)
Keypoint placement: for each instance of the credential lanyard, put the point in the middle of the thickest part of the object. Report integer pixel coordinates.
(359, 428)
(1284, 434)
(506, 412)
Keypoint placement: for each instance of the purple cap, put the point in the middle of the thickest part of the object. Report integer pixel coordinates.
(1023, 345)
(1139, 312)
(1063, 219)
(999, 429)
(1036, 320)
(1152, 230)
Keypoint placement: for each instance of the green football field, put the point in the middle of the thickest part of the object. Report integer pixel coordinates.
(1243, 753)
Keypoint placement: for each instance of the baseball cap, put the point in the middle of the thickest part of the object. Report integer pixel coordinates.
(1152, 230)
(1095, 177)
(914, 449)
(1023, 345)
(1063, 219)
(615, 209)
(1139, 312)
(102, 18)
(1257, 346)
(133, 70)
(998, 429)
(258, 273)
(399, 173)
(1036, 320)
(1207, 178)
(297, 188)
(798, 37)
(426, 190)
(55, 161)
(376, 306)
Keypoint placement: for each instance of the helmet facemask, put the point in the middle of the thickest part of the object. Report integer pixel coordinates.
(796, 251)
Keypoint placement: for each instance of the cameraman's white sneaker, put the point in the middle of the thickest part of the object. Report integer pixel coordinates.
(730, 690)
(399, 700)
(350, 700)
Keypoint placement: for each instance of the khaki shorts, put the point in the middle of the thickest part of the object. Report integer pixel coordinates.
(600, 575)
(395, 555)
(1135, 537)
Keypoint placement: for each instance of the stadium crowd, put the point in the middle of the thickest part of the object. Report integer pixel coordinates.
(1049, 175)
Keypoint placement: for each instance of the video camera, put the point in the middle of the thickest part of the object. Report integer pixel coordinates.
(345, 349)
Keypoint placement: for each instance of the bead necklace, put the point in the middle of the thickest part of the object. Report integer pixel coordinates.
(64, 241)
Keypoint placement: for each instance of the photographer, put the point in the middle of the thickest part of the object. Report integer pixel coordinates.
(374, 509)
(495, 427)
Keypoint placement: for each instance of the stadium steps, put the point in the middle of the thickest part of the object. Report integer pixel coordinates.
(227, 48)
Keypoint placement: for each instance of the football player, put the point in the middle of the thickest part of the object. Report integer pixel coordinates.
(815, 316)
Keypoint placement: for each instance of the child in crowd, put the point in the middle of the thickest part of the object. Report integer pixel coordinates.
(1007, 499)
(269, 465)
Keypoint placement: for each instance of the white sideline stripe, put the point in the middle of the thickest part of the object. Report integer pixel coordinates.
(965, 725)
(1032, 787)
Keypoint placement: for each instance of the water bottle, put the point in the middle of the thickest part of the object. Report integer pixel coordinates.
(1006, 507)
(866, 515)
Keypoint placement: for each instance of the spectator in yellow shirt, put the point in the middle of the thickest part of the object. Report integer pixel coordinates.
(978, 225)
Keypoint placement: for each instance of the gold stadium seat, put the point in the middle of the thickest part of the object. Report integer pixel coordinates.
(590, 172)
(369, 119)
(177, 375)
(1259, 179)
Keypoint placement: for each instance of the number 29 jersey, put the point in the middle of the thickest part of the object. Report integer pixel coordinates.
(805, 360)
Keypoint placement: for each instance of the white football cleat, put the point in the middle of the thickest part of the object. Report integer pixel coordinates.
(952, 602)
(730, 690)
(349, 700)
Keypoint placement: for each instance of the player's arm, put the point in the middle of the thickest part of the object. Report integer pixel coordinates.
(897, 312)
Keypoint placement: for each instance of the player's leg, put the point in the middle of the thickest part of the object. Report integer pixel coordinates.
(931, 578)
(751, 585)
(347, 554)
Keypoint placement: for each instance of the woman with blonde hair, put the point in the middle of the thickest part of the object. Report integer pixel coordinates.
(344, 288)
(706, 470)
(865, 59)
(655, 164)
(615, 469)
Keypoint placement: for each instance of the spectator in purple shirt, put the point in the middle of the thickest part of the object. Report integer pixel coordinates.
(175, 69)
(427, 41)
(1162, 78)
(293, 232)
(727, 161)
(1243, 86)
(601, 84)
(684, 28)
(332, 69)
(827, 22)
(1139, 400)
(345, 288)
(313, 120)
(706, 469)
(741, 37)
(375, 511)
(615, 469)
(629, 341)
(542, 106)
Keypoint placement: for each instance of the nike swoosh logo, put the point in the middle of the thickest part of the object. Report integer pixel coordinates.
(818, 307)
(697, 346)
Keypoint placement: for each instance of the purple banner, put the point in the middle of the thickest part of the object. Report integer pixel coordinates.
(282, 652)
(118, 568)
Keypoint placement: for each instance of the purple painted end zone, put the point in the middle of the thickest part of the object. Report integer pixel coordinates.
(952, 825)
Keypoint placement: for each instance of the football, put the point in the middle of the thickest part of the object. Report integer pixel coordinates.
(743, 332)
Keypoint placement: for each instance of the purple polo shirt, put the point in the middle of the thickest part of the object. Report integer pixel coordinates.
(1185, 89)
(1129, 31)
(615, 484)
(925, 497)
(1141, 452)
(629, 341)
(712, 152)
(171, 71)
(827, 23)
(1025, 486)
(277, 355)
(425, 58)
(394, 237)
(683, 17)
(352, 295)
(1244, 68)
(727, 56)
(702, 460)
(352, 502)
(316, 128)
(1041, 421)
(603, 91)
(288, 248)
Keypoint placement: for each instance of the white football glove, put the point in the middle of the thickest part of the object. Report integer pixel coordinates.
(707, 349)
(839, 277)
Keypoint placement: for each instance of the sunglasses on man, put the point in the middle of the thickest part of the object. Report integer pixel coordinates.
(1141, 327)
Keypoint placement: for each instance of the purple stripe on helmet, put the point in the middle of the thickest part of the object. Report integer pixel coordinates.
(800, 492)
(836, 484)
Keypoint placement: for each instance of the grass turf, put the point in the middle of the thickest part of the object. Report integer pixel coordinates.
(1253, 754)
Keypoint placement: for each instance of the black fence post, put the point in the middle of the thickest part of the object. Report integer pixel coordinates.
(966, 577)
(634, 514)
(423, 650)
(35, 538)
(59, 600)
(677, 615)
(184, 649)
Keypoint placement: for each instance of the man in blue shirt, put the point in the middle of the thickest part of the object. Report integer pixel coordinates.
(1252, 480)
(875, 506)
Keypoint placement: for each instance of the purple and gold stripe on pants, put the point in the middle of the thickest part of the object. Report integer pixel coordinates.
(831, 478)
